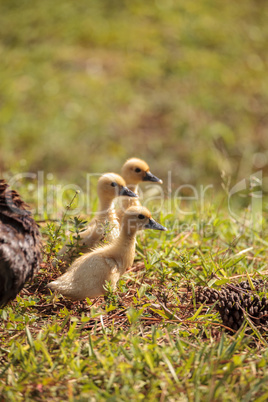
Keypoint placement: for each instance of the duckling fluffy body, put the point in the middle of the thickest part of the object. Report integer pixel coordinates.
(134, 171)
(105, 225)
(87, 275)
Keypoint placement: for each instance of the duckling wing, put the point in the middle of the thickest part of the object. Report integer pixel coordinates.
(87, 276)
(92, 235)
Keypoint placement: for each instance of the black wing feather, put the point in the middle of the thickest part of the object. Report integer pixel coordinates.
(20, 244)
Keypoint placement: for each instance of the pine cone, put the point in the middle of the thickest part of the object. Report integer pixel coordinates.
(206, 295)
(257, 283)
(234, 300)
(230, 310)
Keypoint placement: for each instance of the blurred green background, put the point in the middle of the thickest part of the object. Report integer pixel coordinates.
(86, 84)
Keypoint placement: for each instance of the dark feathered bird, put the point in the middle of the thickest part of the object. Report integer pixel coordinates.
(20, 244)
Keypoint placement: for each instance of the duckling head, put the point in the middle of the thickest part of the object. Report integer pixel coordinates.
(136, 170)
(139, 218)
(111, 185)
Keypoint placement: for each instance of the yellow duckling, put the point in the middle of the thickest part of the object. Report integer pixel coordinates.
(110, 185)
(87, 275)
(134, 171)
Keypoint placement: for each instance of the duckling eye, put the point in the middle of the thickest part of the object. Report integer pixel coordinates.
(138, 170)
(141, 216)
(113, 184)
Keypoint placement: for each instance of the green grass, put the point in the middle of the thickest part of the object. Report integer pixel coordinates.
(148, 340)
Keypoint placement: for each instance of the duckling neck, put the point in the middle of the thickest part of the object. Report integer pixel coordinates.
(125, 249)
(133, 187)
(127, 235)
(106, 210)
(127, 202)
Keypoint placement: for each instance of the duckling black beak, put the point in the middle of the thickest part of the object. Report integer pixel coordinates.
(126, 191)
(152, 224)
(150, 177)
